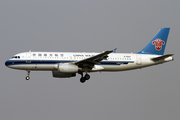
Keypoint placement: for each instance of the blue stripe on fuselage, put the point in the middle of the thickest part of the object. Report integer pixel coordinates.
(40, 62)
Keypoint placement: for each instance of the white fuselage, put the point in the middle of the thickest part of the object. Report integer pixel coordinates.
(49, 61)
(67, 64)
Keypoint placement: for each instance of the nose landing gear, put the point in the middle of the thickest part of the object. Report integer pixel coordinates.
(27, 77)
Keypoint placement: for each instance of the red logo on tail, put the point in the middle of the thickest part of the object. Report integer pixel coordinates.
(158, 44)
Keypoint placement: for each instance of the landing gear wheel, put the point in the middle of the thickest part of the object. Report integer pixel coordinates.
(28, 73)
(82, 80)
(27, 77)
(87, 76)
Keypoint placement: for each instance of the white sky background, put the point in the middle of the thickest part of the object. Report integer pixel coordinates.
(89, 26)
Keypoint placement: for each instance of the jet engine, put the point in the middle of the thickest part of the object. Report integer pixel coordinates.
(62, 75)
(67, 68)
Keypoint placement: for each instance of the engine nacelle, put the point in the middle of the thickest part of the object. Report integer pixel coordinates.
(63, 75)
(67, 68)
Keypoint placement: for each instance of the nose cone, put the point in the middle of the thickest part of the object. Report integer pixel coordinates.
(6, 63)
(10, 64)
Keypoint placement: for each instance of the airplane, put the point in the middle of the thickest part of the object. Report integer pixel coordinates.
(68, 64)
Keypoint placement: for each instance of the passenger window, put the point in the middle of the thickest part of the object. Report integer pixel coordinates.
(56, 55)
(50, 55)
(39, 55)
(34, 55)
(45, 55)
(19, 57)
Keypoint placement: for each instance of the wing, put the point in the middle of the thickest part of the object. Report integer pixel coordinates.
(89, 62)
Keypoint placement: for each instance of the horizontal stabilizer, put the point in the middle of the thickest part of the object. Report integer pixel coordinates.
(161, 57)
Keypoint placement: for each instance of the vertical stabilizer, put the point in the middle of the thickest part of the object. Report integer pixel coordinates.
(157, 44)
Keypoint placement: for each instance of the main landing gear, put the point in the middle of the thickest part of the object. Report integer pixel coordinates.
(27, 77)
(83, 79)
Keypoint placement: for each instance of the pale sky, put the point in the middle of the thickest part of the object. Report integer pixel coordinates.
(89, 26)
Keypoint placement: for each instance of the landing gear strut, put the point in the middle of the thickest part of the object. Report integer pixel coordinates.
(83, 79)
(27, 77)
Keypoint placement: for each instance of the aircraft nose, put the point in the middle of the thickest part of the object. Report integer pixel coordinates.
(6, 63)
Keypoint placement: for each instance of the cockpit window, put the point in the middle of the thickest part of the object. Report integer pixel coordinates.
(16, 57)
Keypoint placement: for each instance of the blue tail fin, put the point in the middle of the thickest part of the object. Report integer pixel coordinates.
(157, 44)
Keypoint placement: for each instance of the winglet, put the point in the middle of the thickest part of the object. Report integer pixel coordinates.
(114, 50)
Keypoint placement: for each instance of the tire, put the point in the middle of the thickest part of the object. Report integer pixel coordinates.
(27, 77)
(82, 80)
(87, 76)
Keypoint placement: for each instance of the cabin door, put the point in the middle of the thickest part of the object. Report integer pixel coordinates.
(138, 60)
(28, 57)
